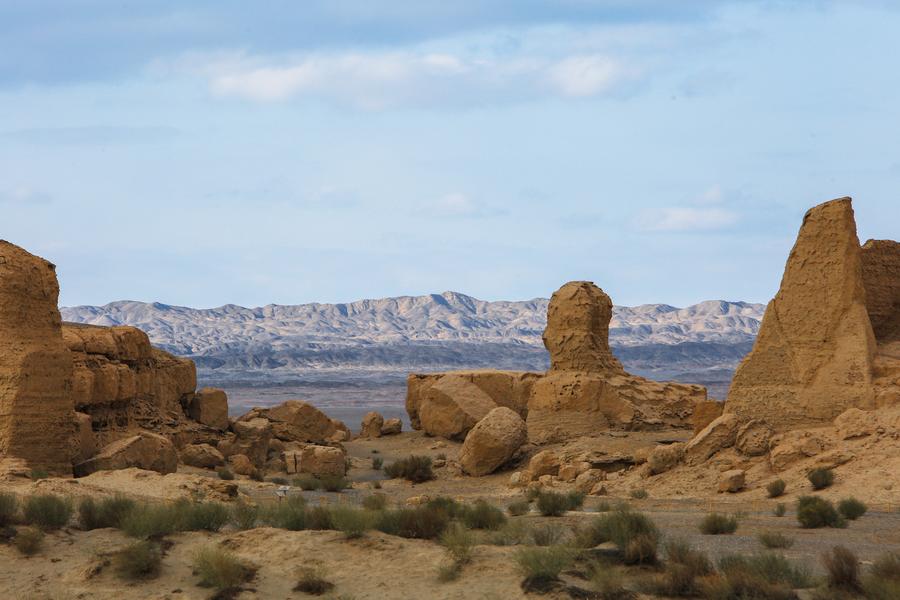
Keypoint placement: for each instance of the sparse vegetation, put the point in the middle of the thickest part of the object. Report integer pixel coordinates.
(377, 463)
(776, 488)
(413, 468)
(518, 508)
(820, 478)
(883, 581)
(108, 512)
(200, 516)
(575, 499)
(552, 504)
(225, 473)
(421, 522)
(219, 568)
(319, 518)
(257, 475)
(150, 521)
(842, 567)
(483, 515)
(633, 533)
(511, 534)
(606, 581)
(851, 508)
(780, 509)
(47, 511)
(814, 512)
(334, 483)
(639, 494)
(29, 540)
(603, 506)
(288, 514)
(307, 482)
(9, 507)
(684, 566)
(312, 581)
(279, 480)
(767, 566)
(375, 502)
(718, 524)
(352, 522)
(244, 515)
(38, 474)
(459, 542)
(542, 565)
(547, 534)
(773, 539)
(140, 560)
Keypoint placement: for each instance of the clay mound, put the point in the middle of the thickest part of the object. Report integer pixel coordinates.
(36, 410)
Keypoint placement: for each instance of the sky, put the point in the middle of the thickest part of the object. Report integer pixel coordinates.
(210, 152)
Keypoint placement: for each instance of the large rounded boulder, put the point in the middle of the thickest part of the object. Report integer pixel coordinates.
(492, 442)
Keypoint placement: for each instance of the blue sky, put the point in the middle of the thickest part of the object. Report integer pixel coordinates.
(204, 153)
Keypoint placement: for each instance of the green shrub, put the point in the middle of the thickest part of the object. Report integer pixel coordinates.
(334, 483)
(225, 473)
(377, 463)
(814, 512)
(38, 474)
(140, 560)
(482, 515)
(639, 494)
(780, 510)
(307, 482)
(412, 468)
(149, 521)
(633, 533)
(290, 514)
(459, 543)
(531, 494)
(680, 552)
(518, 508)
(352, 522)
(552, 504)
(842, 568)
(47, 511)
(108, 512)
(575, 499)
(887, 566)
(883, 581)
(278, 480)
(219, 568)
(776, 488)
(541, 566)
(717, 524)
(766, 566)
(820, 478)
(549, 534)
(446, 505)
(29, 540)
(375, 502)
(606, 581)
(603, 506)
(420, 522)
(851, 508)
(773, 539)
(201, 516)
(312, 581)
(244, 515)
(319, 518)
(9, 506)
(449, 571)
(683, 568)
(512, 534)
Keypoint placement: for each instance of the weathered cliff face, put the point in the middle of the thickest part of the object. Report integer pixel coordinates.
(37, 418)
(816, 351)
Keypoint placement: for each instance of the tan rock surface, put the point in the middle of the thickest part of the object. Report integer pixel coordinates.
(452, 405)
(322, 460)
(665, 457)
(209, 406)
(492, 442)
(392, 426)
(145, 450)
(732, 481)
(718, 435)
(371, 425)
(251, 438)
(202, 456)
(297, 421)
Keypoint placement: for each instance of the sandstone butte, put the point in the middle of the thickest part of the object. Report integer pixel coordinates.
(78, 398)
(585, 391)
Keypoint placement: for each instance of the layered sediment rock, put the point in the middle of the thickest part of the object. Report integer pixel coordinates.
(37, 416)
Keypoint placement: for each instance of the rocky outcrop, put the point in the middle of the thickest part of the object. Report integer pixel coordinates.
(209, 406)
(37, 417)
(452, 405)
(322, 460)
(251, 438)
(371, 425)
(145, 450)
(297, 421)
(492, 442)
(664, 458)
(202, 456)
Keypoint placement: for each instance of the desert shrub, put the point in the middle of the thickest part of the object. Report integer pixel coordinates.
(108, 512)
(377, 463)
(842, 568)
(483, 515)
(512, 534)
(319, 518)
(244, 515)
(593, 533)
(518, 508)
(47, 511)
(717, 524)
(639, 494)
(288, 514)
(449, 571)
(548, 534)
(150, 521)
(201, 516)
(820, 478)
(552, 504)
(9, 506)
(814, 512)
(851, 508)
(640, 550)
(603, 506)
(680, 552)
(375, 502)
(883, 581)
(420, 522)
(779, 510)
(38, 474)
(312, 581)
(531, 494)
(887, 566)
(257, 475)
(352, 522)
(541, 565)
(607, 583)
(446, 505)
(459, 543)
(334, 483)
(225, 473)
(776, 488)
(767, 567)
(743, 586)
(140, 560)
(307, 482)
(633, 533)
(29, 540)
(219, 568)
(773, 539)
(376, 485)
(278, 480)
(413, 468)
(575, 499)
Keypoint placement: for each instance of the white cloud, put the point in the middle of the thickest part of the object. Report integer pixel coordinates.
(457, 204)
(686, 218)
(378, 81)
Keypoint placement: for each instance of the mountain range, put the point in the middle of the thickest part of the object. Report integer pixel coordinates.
(702, 342)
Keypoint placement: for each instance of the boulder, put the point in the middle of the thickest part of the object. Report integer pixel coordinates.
(36, 408)
(568, 473)
(854, 423)
(718, 435)
(545, 462)
(371, 425)
(492, 442)
(145, 450)
(251, 438)
(665, 457)
(753, 438)
(209, 406)
(202, 456)
(297, 421)
(589, 480)
(322, 460)
(241, 465)
(391, 427)
(451, 406)
(732, 481)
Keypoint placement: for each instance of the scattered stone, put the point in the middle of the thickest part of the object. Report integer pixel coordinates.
(588, 480)
(392, 426)
(545, 462)
(732, 481)
(568, 473)
(202, 456)
(664, 458)
(322, 460)
(371, 425)
(492, 442)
